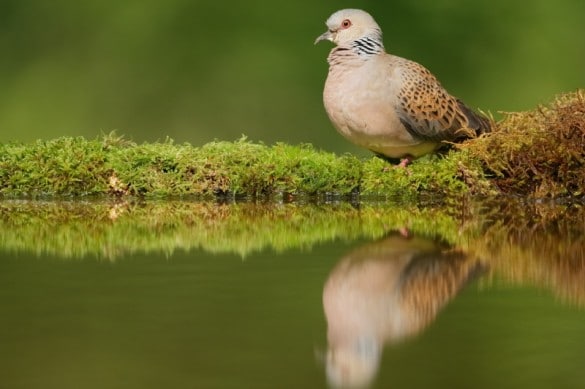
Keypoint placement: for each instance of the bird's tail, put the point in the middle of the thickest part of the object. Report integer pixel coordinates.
(478, 122)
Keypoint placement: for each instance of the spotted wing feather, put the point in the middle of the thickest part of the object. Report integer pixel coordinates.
(429, 112)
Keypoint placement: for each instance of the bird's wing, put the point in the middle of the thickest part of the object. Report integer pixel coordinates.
(429, 112)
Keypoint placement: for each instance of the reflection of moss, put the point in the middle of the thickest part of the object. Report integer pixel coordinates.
(526, 243)
(538, 244)
(112, 229)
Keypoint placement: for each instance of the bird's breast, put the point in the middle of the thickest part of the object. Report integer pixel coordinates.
(360, 101)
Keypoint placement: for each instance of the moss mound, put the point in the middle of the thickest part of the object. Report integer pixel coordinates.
(539, 153)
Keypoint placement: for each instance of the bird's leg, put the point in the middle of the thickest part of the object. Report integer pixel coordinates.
(404, 162)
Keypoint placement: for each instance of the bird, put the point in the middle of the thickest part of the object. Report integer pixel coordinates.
(389, 105)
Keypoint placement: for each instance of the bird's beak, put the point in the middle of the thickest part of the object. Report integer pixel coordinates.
(327, 36)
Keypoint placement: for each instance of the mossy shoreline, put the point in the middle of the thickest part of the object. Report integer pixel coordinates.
(112, 166)
(535, 154)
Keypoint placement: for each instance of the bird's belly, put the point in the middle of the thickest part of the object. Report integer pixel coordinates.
(375, 127)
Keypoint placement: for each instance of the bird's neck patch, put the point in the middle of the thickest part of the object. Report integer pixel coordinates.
(367, 46)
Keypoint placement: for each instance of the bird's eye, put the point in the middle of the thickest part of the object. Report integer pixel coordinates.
(346, 23)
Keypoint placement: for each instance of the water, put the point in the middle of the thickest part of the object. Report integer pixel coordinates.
(400, 310)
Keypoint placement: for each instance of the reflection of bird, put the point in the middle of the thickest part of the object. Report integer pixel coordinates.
(382, 293)
(387, 104)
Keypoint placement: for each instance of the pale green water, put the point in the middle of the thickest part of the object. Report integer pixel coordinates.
(196, 320)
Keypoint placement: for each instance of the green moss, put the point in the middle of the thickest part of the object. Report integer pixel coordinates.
(113, 166)
(433, 176)
(64, 166)
(534, 154)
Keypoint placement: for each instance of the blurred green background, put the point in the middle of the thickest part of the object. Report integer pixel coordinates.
(199, 70)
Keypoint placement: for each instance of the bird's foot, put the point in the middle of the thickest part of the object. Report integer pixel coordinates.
(404, 162)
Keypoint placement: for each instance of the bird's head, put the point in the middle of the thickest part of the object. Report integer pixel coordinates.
(349, 25)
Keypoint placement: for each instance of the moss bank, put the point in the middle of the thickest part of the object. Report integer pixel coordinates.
(534, 154)
(113, 166)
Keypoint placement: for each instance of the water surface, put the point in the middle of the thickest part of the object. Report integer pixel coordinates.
(401, 310)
